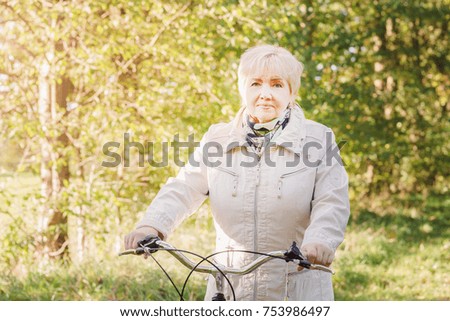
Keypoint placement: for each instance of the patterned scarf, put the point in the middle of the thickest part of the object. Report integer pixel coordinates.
(260, 135)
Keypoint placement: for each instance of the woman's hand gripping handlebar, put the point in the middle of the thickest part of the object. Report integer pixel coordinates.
(153, 243)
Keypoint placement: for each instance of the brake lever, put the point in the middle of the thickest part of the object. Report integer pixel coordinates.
(305, 263)
(294, 253)
(148, 244)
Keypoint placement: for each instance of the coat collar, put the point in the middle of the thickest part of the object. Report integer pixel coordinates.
(291, 138)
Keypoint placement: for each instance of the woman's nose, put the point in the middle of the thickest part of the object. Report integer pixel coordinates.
(265, 92)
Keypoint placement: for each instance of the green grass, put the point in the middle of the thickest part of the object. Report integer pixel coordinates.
(113, 277)
(371, 266)
(402, 255)
(105, 280)
(388, 254)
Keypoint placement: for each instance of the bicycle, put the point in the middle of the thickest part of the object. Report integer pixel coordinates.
(152, 243)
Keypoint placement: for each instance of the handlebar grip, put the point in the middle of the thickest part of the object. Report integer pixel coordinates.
(149, 242)
(137, 251)
(305, 263)
(321, 268)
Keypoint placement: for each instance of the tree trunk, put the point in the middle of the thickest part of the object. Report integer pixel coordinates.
(53, 227)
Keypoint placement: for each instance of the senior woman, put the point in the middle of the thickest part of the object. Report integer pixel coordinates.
(272, 177)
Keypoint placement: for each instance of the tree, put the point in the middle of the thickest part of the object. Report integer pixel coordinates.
(78, 74)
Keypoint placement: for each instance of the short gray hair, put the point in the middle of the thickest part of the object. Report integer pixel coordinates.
(263, 59)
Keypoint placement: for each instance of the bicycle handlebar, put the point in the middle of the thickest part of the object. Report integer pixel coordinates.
(151, 244)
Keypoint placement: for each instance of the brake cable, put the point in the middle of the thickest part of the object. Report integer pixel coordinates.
(221, 252)
(203, 259)
(198, 264)
(165, 272)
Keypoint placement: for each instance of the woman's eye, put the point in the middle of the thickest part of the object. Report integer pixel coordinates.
(278, 85)
(255, 84)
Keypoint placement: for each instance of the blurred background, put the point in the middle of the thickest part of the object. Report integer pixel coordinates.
(75, 75)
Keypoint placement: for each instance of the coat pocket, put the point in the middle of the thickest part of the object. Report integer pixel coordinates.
(234, 179)
(310, 285)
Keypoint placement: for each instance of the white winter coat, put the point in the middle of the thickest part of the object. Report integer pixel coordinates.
(263, 205)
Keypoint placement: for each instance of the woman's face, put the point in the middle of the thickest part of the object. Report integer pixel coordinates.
(266, 97)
